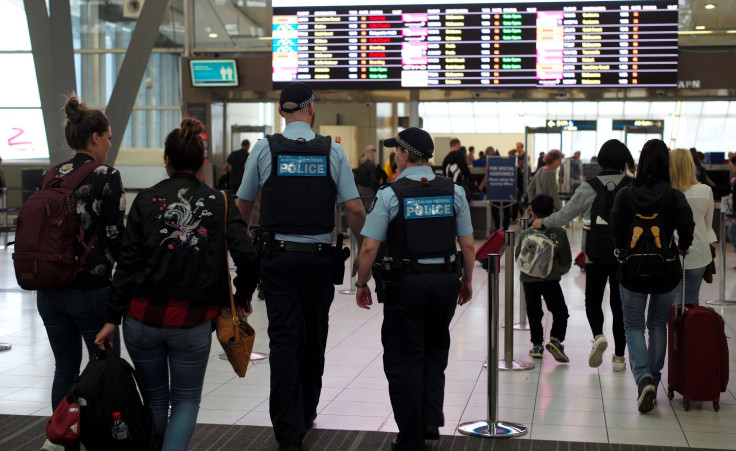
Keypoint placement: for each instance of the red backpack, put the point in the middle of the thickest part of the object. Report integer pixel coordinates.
(47, 231)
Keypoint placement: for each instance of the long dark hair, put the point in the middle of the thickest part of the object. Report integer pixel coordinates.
(184, 146)
(654, 161)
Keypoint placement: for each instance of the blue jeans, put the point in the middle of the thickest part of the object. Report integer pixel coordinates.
(180, 353)
(646, 360)
(693, 279)
(71, 316)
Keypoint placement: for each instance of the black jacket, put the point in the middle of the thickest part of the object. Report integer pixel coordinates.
(647, 196)
(174, 247)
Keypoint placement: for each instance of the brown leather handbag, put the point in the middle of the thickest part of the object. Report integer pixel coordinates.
(235, 335)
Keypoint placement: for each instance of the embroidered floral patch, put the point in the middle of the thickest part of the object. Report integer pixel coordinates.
(184, 220)
(67, 168)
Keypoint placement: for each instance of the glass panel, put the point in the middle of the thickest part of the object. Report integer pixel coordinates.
(686, 132)
(636, 110)
(107, 25)
(611, 109)
(564, 110)
(708, 137)
(148, 128)
(728, 139)
(18, 77)
(14, 32)
(716, 108)
(462, 124)
(662, 110)
(585, 110)
(690, 108)
(242, 24)
(536, 109)
(437, 125)
(485, 109)
(511, 123)
(22, 134)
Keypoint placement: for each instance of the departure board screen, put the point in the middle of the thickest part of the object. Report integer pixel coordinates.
(475, 44)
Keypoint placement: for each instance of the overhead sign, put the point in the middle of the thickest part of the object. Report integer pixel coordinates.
(214, 73)
(572, 125)
(501, 176)
(621, 124)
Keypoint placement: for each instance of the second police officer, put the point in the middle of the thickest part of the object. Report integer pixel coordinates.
(420, 279)
(301, 175)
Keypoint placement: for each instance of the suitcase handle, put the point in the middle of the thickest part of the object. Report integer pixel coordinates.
(680, 309)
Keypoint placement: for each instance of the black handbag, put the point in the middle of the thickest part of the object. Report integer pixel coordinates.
(710, 269)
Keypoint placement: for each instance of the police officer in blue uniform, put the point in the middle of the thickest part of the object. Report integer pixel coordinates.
(419, 279)
(301, 176)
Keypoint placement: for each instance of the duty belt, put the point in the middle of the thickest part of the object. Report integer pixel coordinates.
(306, 248)
(419, 268)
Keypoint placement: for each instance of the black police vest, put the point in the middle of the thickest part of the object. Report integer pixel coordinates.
(425, 224)
(299, 195)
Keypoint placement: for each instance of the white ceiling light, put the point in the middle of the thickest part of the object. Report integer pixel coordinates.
(213, 35)
(710, 6)
(700, 27)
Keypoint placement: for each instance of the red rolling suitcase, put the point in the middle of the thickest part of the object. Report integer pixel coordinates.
(697, 354)
(492, 245)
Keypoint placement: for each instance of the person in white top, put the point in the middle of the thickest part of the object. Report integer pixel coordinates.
(700, 198)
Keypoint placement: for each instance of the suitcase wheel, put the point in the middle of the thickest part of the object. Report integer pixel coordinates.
(484, 264)
(716, 406)
(671, 394)
(582, 269)
(686, 404)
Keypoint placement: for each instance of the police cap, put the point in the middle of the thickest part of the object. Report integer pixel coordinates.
(295, 96)
(414, 140)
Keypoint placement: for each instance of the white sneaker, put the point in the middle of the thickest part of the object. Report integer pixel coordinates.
(49, 446)
(618, 363)
(596, 354)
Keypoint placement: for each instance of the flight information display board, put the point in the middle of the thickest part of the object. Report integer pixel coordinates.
(475, 44)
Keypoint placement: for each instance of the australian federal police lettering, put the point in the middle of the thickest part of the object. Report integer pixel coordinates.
(302, 166)
(428, 207)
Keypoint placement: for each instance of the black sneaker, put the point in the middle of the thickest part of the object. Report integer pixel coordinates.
(557, 349)
(647, 395)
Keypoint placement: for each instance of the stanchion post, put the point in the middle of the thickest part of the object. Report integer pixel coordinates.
(5, 216)
(491, 426)
(508, 338)
(352, 289)
(522, 324)
(508, 363)
(722, 301)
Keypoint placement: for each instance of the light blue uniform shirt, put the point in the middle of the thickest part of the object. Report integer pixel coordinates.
(258, 169)
(386, 208)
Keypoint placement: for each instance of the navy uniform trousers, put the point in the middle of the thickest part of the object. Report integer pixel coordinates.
(416, 342)
(299, 291)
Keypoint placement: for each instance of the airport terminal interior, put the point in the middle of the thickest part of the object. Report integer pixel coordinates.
(142, 63)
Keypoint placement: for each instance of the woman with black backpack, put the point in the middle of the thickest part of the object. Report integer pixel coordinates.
(644, 218)
(594, 199)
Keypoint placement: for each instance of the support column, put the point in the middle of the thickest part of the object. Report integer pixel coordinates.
(131, 72)
(53, 57)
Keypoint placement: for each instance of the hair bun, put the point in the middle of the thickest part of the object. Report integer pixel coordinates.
(72, 109)
(190, 127)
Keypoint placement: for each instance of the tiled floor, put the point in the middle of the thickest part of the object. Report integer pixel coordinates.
(555, 401)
